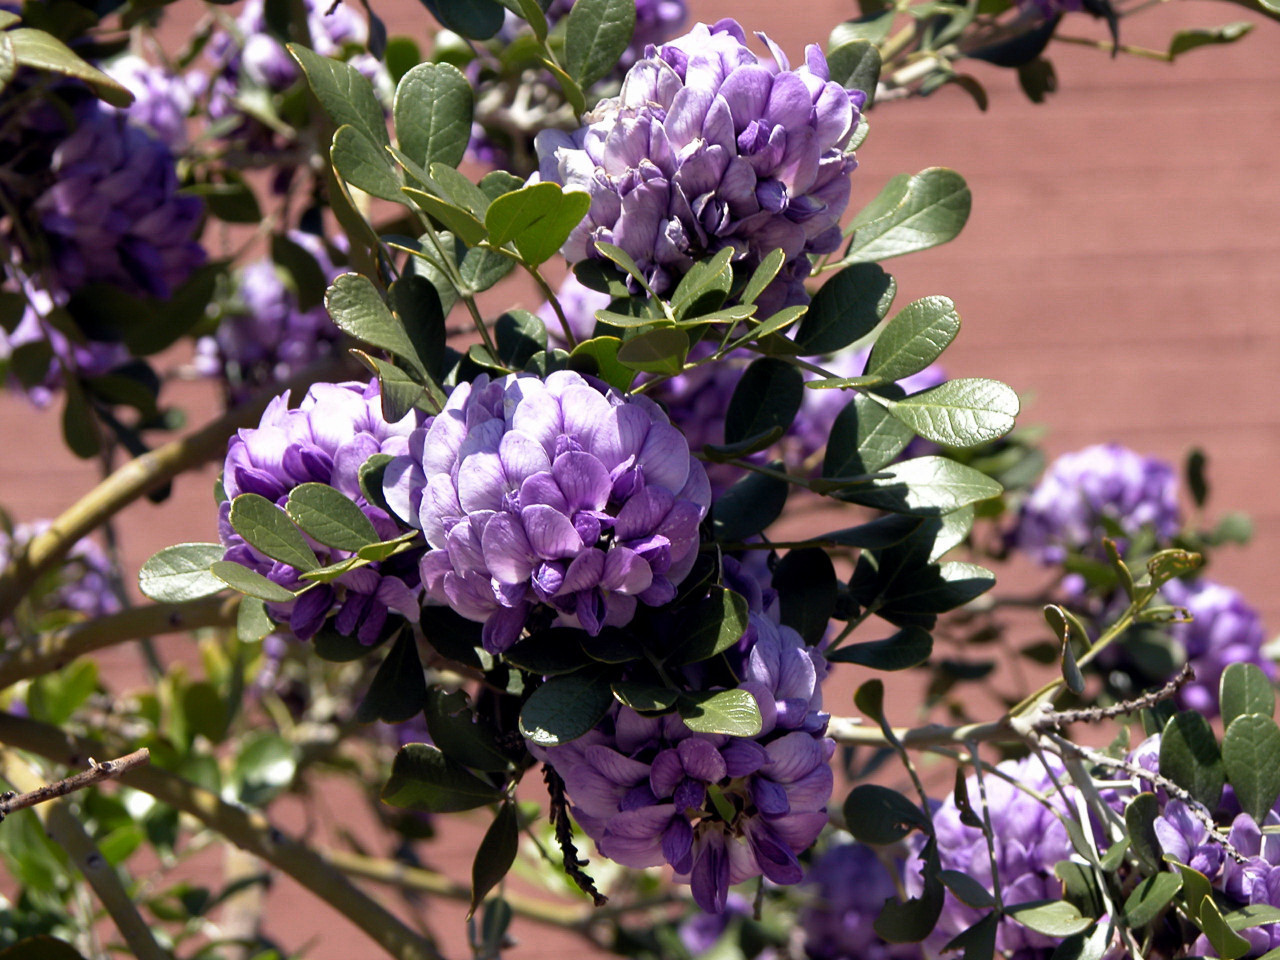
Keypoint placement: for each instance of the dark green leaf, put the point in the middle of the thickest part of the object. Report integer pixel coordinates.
(806, 583)
(731, 712)
(596, 35)
(880, 816)
(645, 697)
(329, 517)
(1251, 758)
(248, 582)
(656, 351)
(1168, 564)
(936, 589)
(1185, 40)
(1245, 689)
(856, 66)
(564, 708)
(80, 427)
(767, 395)
(1226, 942)
(924, 486)
(371, 473)
(864, 438)
(913, 214)
(977, 941)
(423, 778)
(433, 105)
(399, 688)
(748, 507)
(1197, 476)
(345, 93)
(180, 573)
(1080, 886)
(710, 626)
(909, 647)
(1253, 915)
(1189, 756)
(496, 853)
(454, 217)
(416, 304)
(475, 19)
(364, 164)
(603, 352)
(845, 309)
(267, 529)
(763, 275)
(455, 729)
(519, 335)
(358, 309)
(705, 287)
(1140, 817)
(913, 339)
(1149, 898)
(549, 652)
(966, 889)
(41, 947)
(309, 281)
(959, 413)
(913, 920)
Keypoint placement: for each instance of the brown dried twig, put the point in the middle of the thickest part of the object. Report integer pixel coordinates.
(11, 802)
(1057, 719)
(559, 813)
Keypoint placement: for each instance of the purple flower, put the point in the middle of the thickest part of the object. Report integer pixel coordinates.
(1186, 837)
(326, 439)
(709, 147)
(162, 100)
(718, 809)
(700, 932)
(1029, 841)
(1224, 630)
(1065, 512)
(560, 492)
(267, 338)
(852, 887)
(86, 581)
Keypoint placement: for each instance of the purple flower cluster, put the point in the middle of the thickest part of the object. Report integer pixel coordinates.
(265, 338)
(1065, 512)
(718, 809)
(709, 147)
(1224, 629)
(103, 194)
(852, 885)
(162, 100)
(83, 584)
(1029, 840)
(558, 491)
(326, 439)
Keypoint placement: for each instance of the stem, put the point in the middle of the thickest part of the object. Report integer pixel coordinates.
(67, 832)
(555, 304)
(850, 732)
(56, 649)
(246, 828)
(1106, 46)
(134, 480)
(96, 773)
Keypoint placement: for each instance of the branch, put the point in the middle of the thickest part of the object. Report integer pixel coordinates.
(56, 649)
(1057, 719)
(851, 732)
(136, 479)
(97, 772)
(247, 829)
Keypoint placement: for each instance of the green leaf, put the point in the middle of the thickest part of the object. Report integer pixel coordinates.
(724, 452)
(915, 214)
(936, 589)
(864, 438)
(1195, 888)
(565, 708)
(731, 712)
(874, 534)
(967, 890)
(398, 393)
(1185, 40)
(1189, 756)
(568, 86)
(267, 529)
(496, 853)
(880, 816)
(252, 621)
(1149, 898)
(432, 109)
(1226, 942)
(1053, 918)
(749, 506)
(596, 35)
(603, 354)
(909, 647)
(265, 765)
(309, 281)
(330, 517)
(423, 778)
(645, 697)
(710, 626)
(1251, 758)
(924, 486)
(454, 217)
(455, 729)
(913, 920)
(42, 51)
(79, 423)
(41, 947)
(385, 548)
(519, 335)
(978, 940)
(371, 473)
(399, 688)
(763, 275)
(1140, 818)
(959, 413)
(537, 218)
(705, 287)
(1252, 915)
(248, 582)
(180, 573)
(856, 66)
(358, 309)
(1245, 689)
(662, 350)
(845, 309)
(549, 652)
(360, 162)
(345, 93)
(806, 583)
(767, 395)
(913, 339)
(475, 19)
(1171, 563)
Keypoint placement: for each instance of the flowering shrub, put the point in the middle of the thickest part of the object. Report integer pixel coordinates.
(462, 546)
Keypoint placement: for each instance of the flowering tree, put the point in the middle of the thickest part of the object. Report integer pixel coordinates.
(470, 559)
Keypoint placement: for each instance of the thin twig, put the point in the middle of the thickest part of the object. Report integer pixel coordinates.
(1057, 719)
(97, 772)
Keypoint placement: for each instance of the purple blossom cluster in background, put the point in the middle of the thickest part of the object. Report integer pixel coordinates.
(708, 146)
(1029, 841)
(718, 809)
(1065, 512)
(326, 439)
(1224, 629)
(84, 584)
(560, 492)
(851, 885)
(162, 100)
(266, 338)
